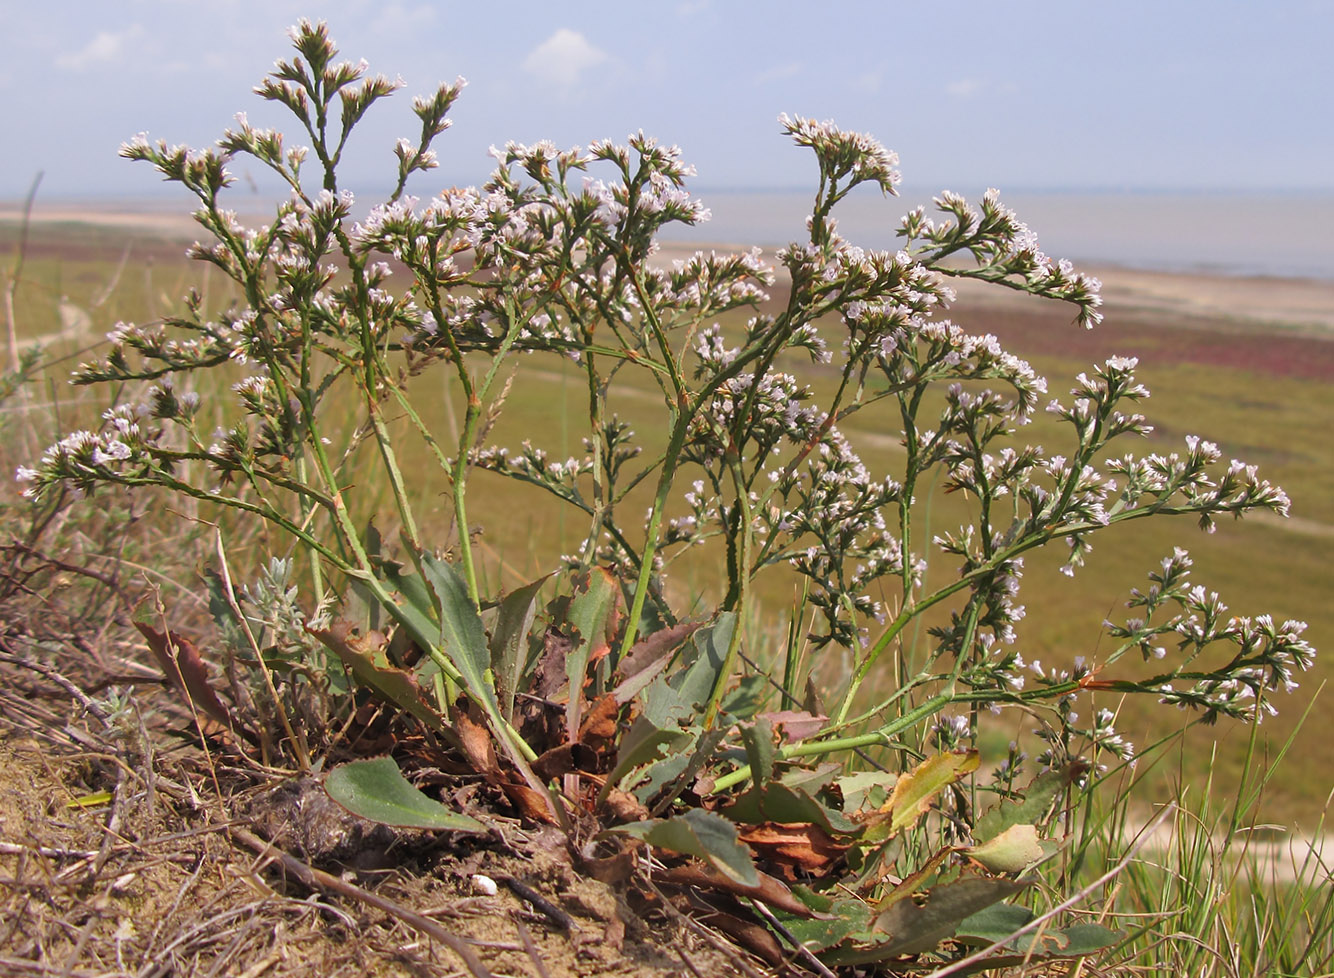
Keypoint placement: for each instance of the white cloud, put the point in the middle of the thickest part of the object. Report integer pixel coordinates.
(965, 87)
(563, 57)
(108, 47)
(777, 73)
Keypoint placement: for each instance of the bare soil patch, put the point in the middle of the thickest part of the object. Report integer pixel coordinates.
(128, 851)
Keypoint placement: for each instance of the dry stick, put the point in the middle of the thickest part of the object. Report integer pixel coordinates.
(540, 903)
(316, 878)
(955, 966)
(87, 702)
(816, 964)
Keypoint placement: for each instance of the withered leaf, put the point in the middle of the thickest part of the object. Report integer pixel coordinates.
(477, 745)
(184, 668)
(623, 806)
(599, 725)
(796, 725)
(798, 845)
(565, 759)
(649, 651)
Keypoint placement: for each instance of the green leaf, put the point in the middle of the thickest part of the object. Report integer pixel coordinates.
(644, 743)
(681, 696)
(839, 920)
(998, 923)
(1014, 850)
(865, 789)
(514, 618)
(760, 753)
(462, 636)
(704, 834)
(376, 790)
(776, 802)
(233, 634)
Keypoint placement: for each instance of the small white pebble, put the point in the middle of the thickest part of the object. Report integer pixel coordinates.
(484, 885)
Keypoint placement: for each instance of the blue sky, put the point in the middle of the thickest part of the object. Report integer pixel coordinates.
(1145, 95)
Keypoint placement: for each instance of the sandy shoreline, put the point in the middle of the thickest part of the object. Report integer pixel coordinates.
(1306, 304)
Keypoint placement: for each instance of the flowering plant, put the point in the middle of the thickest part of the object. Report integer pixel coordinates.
(601, 708)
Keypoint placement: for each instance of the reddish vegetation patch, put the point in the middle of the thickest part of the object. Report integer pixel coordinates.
(1045, 329)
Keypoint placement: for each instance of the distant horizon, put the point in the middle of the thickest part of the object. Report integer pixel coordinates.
(1230, 233)
(164, 192)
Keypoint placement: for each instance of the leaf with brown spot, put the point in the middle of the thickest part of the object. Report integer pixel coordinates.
(914, 791)
(798, 845)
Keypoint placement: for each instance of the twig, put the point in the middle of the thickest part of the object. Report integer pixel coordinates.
(84, 699)
(540, 903)
(955, 966)
(315, 878)
(816, 964)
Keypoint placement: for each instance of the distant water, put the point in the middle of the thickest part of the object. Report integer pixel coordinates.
(1287, 234)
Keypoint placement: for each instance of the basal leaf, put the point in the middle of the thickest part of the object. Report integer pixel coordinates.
(462, 636)
(680, 696)
(376, 790)
(1031, 809)
(999, 923)
(370, 666)
(588, 614)
(514, 618)
(916, 926)
(838, 920)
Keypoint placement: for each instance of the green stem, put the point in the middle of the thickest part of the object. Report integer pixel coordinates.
(883, 736)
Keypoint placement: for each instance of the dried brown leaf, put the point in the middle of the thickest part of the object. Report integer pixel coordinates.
(798, 845)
